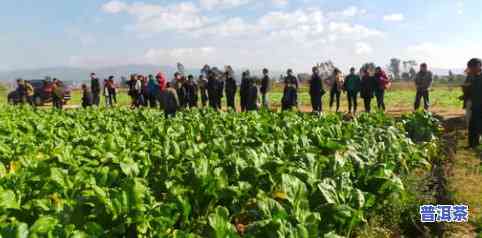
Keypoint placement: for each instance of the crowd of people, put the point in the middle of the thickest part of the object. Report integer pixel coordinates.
(50, 91)
(184, 92)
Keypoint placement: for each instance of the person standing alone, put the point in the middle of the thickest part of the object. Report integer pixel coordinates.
(423, 82)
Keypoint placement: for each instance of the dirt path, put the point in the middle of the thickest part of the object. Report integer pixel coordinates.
(461, 177)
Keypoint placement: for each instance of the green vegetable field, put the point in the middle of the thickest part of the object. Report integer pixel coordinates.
(124, 173)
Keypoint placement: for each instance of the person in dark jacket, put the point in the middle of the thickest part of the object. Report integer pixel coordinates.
(230, 89)
(265, 88)
(131, 89)
(190, 89)
(423, 82)
(243, 90)
(87, 99)
(203, 89)
(145, 91)
(21, 91)
(335, 82)
(220, 82)
(352, 87)
(214, 90)
(368, 85)
(290, 93)
(316, 91)
(178, 83)
(252, 96)
(474, 89)
(95, 89)
(170, 101)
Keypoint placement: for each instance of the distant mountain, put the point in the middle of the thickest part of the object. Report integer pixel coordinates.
(78, 75)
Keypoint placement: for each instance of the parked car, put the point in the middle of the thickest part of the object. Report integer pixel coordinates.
(42, 93)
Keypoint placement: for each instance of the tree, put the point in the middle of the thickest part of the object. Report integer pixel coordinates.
(451, 76)
(412, 73)
(395, 67)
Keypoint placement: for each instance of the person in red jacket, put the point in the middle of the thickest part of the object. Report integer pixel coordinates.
(161, 80)
(383, 84)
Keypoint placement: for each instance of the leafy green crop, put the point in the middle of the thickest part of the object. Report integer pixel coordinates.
(114, 173)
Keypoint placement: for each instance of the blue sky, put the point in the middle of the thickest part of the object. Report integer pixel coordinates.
(244, 33)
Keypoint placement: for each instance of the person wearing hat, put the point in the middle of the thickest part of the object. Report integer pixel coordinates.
(290, 94)
(352, 87)
(265, 87)
(230, 88)
(423, 82)
(473, 89)
(316, 90)
(95, 88)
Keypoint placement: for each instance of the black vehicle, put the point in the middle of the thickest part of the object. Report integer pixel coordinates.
(42, 93)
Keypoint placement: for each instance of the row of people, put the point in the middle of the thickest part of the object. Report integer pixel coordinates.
(212, 85)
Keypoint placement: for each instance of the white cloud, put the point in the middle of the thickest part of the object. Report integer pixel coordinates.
(300, 35)
(189, 56)
(300, 18)
(353, 31)
(280, 3)
(460, 7)
(222, 4)
(352, 11)
(230, 27)
(362, 48)
(394, 17)
(443, 56)
(114, 7)
(151, 18)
